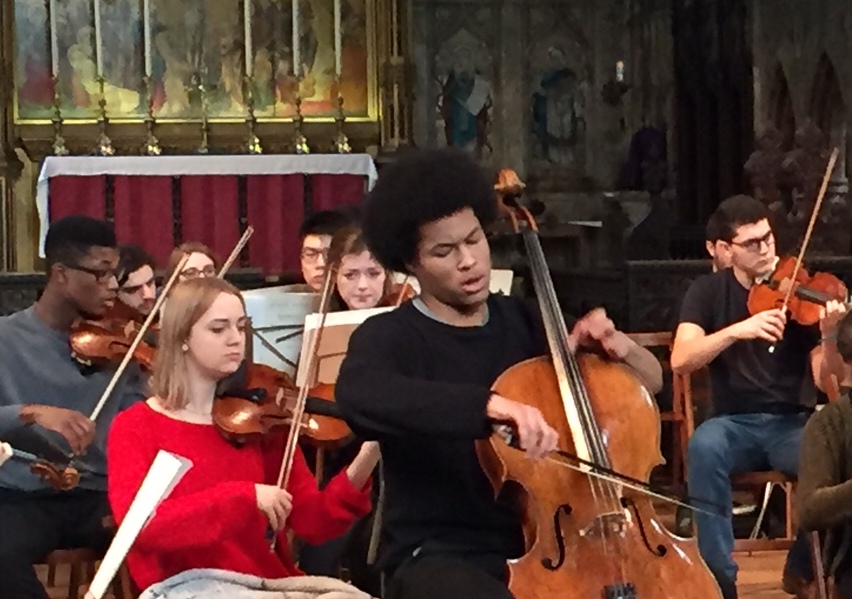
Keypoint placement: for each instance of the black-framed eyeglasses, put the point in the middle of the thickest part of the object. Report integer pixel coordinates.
(194, 273)
(754, 245)
(102, 275)
(313, 254)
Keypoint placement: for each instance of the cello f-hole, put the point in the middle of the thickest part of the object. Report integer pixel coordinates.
(659, 551)
(547, 562)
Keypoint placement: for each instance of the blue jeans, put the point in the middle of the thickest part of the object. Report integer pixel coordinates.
(724, 445)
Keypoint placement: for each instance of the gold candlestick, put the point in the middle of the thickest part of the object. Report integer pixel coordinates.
(204, 147)
(252, 141)
(300, 142)
(341, 142)
(59, 147)
(152, 144)
(104, 147)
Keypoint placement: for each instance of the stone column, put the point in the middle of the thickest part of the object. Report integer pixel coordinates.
(512, 102)
(10, 166)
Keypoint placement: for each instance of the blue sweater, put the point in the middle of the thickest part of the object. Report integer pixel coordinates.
(36, 367)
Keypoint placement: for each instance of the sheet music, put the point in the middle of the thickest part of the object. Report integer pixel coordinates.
(165, 472)
(334, 342)
(501, 281)
(277, 317)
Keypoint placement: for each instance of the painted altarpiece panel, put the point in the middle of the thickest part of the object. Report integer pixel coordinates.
(197, 54)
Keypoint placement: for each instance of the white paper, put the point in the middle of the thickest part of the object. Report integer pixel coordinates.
(277, 319)
(164, 474)
(501, 281)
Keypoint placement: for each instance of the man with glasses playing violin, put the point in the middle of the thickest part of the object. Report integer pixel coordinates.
(45, 399)
(761, 397)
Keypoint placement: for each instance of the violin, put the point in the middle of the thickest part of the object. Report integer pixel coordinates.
(807, 292)
(398, 294)
(106, 340)
(263, 402)
(587, 536)
(63, 477)
(790, 287)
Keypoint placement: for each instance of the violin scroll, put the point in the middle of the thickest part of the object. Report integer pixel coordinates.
(62, 478)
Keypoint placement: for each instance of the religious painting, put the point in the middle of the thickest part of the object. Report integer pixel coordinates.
(560, 73)
(195, 53)
(465, 71)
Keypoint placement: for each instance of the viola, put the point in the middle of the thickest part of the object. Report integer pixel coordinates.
(262, 402)
(587, 536)
(807, 293)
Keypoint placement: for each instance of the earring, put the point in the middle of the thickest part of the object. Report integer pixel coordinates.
(185, 347)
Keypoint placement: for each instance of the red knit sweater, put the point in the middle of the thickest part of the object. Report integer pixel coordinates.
(211, 518)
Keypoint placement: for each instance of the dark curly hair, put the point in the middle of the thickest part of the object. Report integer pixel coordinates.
(420, 187)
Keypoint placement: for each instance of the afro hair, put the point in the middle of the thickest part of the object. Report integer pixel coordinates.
(420, 187)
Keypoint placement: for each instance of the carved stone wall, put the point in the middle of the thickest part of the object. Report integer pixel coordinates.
(529, 84)
(803, 82)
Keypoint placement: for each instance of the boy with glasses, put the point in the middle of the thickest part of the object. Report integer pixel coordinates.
(315, 235)
(45, 396)
(761, 399)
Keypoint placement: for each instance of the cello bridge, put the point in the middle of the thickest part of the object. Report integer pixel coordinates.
(613, 523)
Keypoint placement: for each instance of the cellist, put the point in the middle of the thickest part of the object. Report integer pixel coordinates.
(43, 387)
(418, 379)
(761, 399)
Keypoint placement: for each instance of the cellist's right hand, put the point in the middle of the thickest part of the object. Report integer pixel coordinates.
(536, 437)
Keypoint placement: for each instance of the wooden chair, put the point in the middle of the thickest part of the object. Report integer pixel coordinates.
(82, 564)
(660, 343)
(761, 484)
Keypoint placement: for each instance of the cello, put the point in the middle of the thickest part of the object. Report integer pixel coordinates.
(587, 535)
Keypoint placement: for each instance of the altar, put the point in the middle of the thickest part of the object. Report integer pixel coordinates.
(159, 202)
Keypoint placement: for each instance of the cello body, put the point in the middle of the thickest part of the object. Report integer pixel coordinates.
(587, 536)
(580, 545)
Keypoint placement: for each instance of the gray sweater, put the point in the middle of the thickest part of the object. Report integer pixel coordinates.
(36, 367)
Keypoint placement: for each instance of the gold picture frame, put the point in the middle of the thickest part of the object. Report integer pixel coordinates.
(183, 39)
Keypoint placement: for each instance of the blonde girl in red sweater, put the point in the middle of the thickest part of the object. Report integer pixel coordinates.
(218, 515)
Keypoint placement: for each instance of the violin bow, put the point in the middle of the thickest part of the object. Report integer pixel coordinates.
(311, 373)
(236, 251)
(138, 339)
(823, 188)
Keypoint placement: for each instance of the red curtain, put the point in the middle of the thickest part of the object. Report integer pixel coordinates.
(210, 212)
(275, 207)
(143, 214)
(331, 191)
(77, 195)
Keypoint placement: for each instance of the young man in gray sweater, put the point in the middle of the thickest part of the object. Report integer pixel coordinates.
(45, 399)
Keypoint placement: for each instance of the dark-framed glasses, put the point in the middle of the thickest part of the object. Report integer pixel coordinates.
(754, 245)
(102, 275)
(313, 254)
(194, 273)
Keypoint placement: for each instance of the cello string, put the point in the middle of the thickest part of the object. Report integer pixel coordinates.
(557, 329)
(606, 494)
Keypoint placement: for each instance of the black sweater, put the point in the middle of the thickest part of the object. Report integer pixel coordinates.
(420, 387)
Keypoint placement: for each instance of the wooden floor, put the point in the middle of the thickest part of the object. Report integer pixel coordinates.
(760, 577)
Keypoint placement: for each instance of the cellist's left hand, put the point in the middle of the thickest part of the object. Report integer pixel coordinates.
(596, 329)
